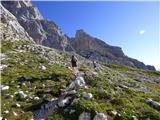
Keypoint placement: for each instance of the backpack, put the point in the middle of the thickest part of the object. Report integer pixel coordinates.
(74, 60)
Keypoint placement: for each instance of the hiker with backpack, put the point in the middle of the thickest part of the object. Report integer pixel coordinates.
(94, 65)
(74, 64)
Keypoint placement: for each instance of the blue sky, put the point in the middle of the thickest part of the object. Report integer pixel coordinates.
(134, 26)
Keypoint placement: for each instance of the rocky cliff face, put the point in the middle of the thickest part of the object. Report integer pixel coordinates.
(10, 27)
(85, 42)
(42, 31)
(94, 48)
(47, 33)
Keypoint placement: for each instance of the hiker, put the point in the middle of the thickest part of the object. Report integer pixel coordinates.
(94, 64)
(74, 64)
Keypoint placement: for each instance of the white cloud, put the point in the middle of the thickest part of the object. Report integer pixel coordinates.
(141, 32)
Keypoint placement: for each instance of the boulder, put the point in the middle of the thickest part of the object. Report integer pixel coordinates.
(4, 87)
(6, 112)
(18, 105)
(53, 99)
(153, 103)
(2, 66)
(36, 98)
(18, 86)
(15, 114)
(2, 56)
(11, 96)
(100, 116)
(71, 92)
(24, 84)
(63, 102)
(21, 94)
(79, 82)
(112, 112)
(134, 117)
(2, 118)
(87, 95)
(42, 67)
(85, 116)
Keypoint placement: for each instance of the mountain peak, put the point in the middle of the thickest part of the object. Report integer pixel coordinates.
(22, 9)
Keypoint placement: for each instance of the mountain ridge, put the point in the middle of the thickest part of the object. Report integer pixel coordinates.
(47, 33)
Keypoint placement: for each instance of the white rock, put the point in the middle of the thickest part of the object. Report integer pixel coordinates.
(15, 114)
(2, 118)
(18, 105)
(153, 103)
(43, 85)
(2, 66)
(21, 94)
(30, 97)
(87, 95)
(85, 116)
(71, 86)
(4, 87)
(81, 74)
(6, 112)
(42, 67)
(71, 92)
(119, 114)
(114, 113)
(79, 82)
(100, 116)
(134, 117)
(123, 86)
(63, 102)
(24, 84)
(86, 87)
(148, 100)
(53, 99)
(36, 98)
(11, 96)
(2, 56)
(18, 86)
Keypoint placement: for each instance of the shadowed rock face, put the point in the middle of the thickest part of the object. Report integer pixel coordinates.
(94, 48)
(149, 67)
(85, 42)
(47, 33)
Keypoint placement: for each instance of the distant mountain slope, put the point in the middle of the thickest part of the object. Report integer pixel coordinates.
(49, 34)
(94, 48)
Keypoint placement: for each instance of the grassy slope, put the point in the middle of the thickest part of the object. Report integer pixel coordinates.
(107, 94)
